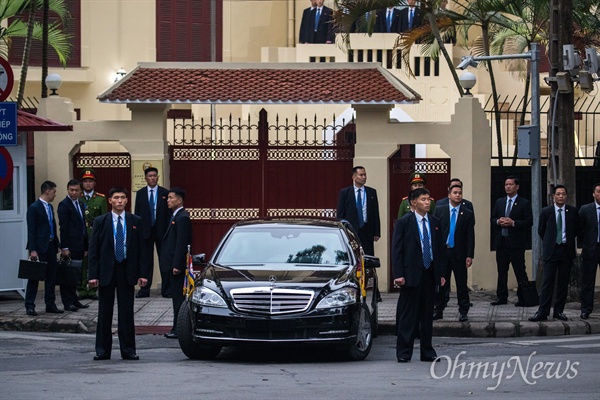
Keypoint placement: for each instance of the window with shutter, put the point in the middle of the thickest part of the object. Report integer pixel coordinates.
(72, 27)
(183, 30)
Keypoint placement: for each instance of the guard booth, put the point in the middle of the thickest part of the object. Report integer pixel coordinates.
(13, 200)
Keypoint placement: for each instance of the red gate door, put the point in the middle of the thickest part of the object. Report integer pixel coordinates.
(437, 173)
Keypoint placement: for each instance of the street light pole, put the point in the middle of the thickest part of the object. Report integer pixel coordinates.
(536, 169)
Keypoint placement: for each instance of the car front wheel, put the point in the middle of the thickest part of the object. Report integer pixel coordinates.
(364, 336)
(185, 335)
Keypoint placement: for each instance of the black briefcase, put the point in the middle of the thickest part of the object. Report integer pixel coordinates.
(527, 294)
(68, 272)
(34, 270)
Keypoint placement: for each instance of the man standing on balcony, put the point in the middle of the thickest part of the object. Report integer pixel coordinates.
(410, 17)
(305, 33)
(388, 20)
(320, 29)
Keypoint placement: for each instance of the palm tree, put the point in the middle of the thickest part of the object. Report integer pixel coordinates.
(14, 9)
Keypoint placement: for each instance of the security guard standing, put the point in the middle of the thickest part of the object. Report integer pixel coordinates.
(417, 180)
(95, 205)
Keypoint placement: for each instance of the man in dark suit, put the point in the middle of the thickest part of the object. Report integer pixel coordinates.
(74, 241)
(307, 14)
(458, 224)
(360, 197)
(320, 29)
(410, 17)
(175, 249)
(589, 235)
(151, 206)
(388, 20)
(446, 200)
(512, 219)
(116, 262)
(558, 228)
(43, 244)
(419, 267)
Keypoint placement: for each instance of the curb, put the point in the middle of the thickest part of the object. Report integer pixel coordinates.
(505, 329)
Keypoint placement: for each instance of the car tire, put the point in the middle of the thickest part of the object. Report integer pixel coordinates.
(185, 336)
(364, 336)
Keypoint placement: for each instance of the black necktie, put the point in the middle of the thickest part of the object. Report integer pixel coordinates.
(119, 241)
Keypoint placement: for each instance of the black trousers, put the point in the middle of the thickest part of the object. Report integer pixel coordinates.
(178, 298)
(556, 270)
(588, 280)
(366, 241)
(49, 284)
(459, 269)
(149, 244)
(68, 293)
(504, 257)
(106, 301)
(415, 309)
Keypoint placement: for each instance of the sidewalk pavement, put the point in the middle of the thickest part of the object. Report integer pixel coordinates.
(153, 315)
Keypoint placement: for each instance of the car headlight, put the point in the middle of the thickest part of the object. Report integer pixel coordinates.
(207, 297)
(339, 298)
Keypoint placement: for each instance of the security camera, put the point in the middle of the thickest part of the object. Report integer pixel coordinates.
(571, 59)
(467, 61)
(592, 61)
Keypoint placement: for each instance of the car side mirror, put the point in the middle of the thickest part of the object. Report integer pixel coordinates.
(371, 262)
(199, 259)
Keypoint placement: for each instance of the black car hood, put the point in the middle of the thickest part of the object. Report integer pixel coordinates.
(280, 274)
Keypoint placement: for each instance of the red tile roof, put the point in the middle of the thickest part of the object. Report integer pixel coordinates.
(260, 83)
(31, 122)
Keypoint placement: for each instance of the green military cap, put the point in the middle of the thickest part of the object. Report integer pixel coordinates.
(418, 177)
(88, 173)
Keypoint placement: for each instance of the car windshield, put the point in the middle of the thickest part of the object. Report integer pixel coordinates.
(266, 244)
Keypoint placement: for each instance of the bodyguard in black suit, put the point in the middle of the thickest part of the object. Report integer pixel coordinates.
(388, 20)
(445, 201)
(116, 262)
(358, 196)
(512, 219)
(410, 17)
(458, 223)
(419, 266)
(557, 228)
(175, 248)
(320, 29)
(305, 35)
(43, 244)
(74, 241)
(589, 235)
(151, 206)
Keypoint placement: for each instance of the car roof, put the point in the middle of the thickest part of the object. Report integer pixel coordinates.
(287, 221)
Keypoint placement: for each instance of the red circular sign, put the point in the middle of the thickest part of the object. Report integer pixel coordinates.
(7, 79)
(6, 168)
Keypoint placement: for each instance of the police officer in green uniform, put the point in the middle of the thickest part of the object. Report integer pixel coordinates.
(95, 205)
(417, 180)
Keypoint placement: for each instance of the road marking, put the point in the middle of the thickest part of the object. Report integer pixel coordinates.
(543, 341)
(580, 346)
(7, 335)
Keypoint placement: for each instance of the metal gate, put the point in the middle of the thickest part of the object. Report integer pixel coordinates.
(437, 173)
(237, 170)
(112, 169)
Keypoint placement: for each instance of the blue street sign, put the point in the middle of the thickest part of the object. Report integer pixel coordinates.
(8, 124)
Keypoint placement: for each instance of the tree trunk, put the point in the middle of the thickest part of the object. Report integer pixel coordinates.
(45, 48)
(523, 111)
(26, 51)
(436, 33)
(486, 50)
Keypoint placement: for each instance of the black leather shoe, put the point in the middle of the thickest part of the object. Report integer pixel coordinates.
(403, 360)
(93, 297)
(171, 334)
(430, 359)
(463, 317)
(561, 316)
(538, 317)
(80, 305)
(31, 312)
(519, 304)
(498, 302)
(141, 295)
(100, 357)
(132, 357)
(167, 296)
(438, 315)
(72, 307)
(53, 310)
(584, 315)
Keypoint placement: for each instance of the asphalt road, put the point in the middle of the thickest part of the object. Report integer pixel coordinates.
(60, 366)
